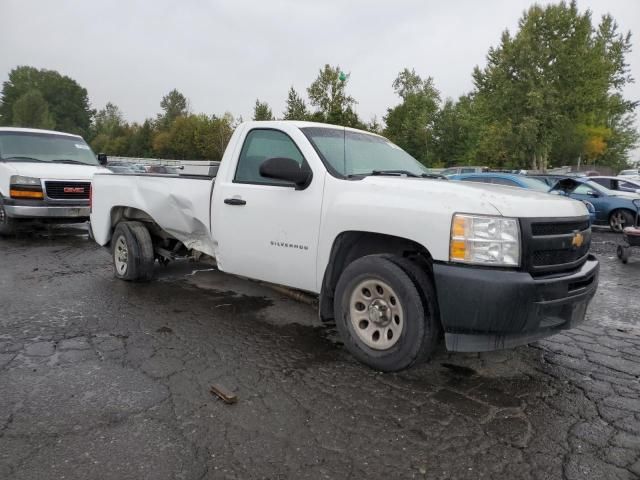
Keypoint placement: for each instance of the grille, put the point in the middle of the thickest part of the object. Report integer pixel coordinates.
(551, 246)
(560, 228)
(544, 258)
(67, 190)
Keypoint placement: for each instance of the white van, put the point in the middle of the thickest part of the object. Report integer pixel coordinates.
(45, 176)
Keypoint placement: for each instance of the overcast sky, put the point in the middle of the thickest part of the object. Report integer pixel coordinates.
(224, 54)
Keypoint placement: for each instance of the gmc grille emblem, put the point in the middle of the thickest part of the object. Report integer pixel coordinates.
(73, 189)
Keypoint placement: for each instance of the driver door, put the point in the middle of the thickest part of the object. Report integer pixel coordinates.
(265, 228)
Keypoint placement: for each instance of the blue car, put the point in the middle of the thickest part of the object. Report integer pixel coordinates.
(520, 181)
(613, 208)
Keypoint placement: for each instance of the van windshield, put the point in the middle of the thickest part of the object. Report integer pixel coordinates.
(349, 153)
(44, 147)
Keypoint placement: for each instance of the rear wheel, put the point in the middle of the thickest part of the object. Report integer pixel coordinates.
(7, 224)
(387, 320)
(132, 252)
(620, 219)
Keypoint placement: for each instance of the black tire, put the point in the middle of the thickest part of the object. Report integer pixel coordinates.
(132, 252)
(7, 224)
(416, 296)
(620, 219)
(624, 253)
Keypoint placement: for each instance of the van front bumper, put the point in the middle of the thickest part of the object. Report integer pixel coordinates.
(43, 210)
(485, 309)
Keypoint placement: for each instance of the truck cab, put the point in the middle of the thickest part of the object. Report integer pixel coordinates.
(45, 176)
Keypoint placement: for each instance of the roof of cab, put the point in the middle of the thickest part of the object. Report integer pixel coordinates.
(37, 130)
(303, 124)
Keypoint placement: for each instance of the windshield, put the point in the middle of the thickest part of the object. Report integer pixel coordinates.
(348, 153)
(535, 184)
(44, 147)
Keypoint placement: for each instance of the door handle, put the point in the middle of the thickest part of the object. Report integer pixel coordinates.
(235, 201)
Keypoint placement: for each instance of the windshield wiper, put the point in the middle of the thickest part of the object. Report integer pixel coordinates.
(394, 172)
(68, 160)
(23, 159)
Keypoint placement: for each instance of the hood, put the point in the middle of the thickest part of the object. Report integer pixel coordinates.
(54, 171)
(506, 201)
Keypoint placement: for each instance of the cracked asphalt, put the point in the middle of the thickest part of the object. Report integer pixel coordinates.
(101, 379)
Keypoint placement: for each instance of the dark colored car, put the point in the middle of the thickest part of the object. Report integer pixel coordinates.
(613, 208)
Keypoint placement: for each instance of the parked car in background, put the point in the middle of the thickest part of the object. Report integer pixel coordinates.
(447, 172)
(613, 208)
(505, 179)
(634, 173)
(621, 184)
(45, 176)
(518, 181)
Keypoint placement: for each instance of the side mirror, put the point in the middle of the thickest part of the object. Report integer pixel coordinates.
(591, 193)
(102, 159)
(287, 169)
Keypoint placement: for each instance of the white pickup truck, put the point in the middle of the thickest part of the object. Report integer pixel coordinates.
(45, 176)
(396, 255)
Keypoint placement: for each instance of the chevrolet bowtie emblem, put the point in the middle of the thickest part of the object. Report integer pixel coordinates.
(578, 240)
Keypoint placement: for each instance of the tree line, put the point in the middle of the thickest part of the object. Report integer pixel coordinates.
(549, 95)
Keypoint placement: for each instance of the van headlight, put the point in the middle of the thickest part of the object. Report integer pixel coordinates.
(25, 187)
(480, 240)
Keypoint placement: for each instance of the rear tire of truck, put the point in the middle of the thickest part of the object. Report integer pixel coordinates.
(386, 312)
(132, 252)
(7, 224)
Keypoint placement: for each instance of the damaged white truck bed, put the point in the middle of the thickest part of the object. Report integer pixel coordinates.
(397, 257)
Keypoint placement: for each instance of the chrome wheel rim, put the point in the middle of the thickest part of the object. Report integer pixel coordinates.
(376, 314)
(3, 215)
(617, 221)
(120, 255)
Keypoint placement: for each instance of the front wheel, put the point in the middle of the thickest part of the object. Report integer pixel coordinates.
(386, 315)
(620, 219)
(132, 252)
(7, 224)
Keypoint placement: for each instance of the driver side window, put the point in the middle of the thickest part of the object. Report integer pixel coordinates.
(260, 145)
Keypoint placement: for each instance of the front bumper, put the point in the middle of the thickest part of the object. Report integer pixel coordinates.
(485, 309)
(41, 210)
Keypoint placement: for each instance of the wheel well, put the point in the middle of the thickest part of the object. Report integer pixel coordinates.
(623, 209)
(350, 246)
(120, 213)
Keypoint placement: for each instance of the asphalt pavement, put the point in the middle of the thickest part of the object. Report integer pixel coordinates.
(102, 379)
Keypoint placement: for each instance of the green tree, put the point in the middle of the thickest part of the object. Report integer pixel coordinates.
(66, 100)
(262, 111)
(555, 79)
(174, 104)
(32, 110)
(296, 107)
(109, 120)
(410, 123)
(328, 94)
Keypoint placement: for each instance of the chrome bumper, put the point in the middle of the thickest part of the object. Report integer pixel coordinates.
(22, 211)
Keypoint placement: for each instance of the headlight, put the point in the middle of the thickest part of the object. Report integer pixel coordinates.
(20, 180)
(25, 187)
(485, 240)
